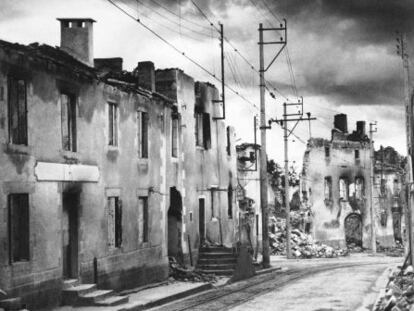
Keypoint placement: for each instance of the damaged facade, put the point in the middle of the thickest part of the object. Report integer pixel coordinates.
(248, 195)
(336, 179)
(105, 173)
(388, 197)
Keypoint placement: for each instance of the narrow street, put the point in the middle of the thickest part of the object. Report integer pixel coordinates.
(315, 285)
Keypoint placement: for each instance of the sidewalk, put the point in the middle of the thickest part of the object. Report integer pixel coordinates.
(141, 299)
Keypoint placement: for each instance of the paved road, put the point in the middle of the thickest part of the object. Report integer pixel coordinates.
(344, 284)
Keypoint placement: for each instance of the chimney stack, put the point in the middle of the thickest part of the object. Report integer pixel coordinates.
(76, 38)
(146, 75)
(360, 128)
(341, 123)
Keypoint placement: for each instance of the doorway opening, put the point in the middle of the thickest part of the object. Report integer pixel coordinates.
(353, 230)
(175, 225)
(70, 232)
(201, 220)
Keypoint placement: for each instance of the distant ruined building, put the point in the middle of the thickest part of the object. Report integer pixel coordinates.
(336, 180)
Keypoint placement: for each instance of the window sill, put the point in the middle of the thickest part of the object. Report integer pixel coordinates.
(143, 160)
(18, 149)
(174, 159)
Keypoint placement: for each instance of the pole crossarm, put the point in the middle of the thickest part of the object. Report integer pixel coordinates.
(283, 42)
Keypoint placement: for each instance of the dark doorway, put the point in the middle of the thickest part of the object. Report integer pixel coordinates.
(70, 226)
(201, 220)
(175, 225)
(353, 229)
(396, 224)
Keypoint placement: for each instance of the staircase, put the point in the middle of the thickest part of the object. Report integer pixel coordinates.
(76, 294)
(217, 260)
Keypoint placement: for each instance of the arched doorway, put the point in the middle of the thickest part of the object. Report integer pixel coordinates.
(353, 229)
(175, 225)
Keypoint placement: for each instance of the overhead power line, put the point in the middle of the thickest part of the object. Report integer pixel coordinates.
(181, 52)
(252, 67)
(179, 16)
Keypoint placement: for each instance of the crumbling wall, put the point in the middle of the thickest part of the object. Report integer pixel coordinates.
(339, 170)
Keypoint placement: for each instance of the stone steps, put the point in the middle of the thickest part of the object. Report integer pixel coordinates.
(216, 260)
(76, 294)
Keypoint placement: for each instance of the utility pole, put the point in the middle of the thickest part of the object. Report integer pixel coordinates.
(223, 84)
(263, 127)
(371, 207)
(286, 134)
(310, 132)
(287, 203)
(402, 51)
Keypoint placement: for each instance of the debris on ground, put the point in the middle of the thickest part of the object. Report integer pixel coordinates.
(393, 251)
(399, 293)
(302, 244)
(179, 272)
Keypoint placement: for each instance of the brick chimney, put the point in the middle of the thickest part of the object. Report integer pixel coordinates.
(76, 38)
(146, 75)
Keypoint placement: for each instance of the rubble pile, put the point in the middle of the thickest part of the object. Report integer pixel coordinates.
(180, 273)
(399, 294)
(302, 244)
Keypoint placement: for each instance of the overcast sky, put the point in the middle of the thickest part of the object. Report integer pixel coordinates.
(343, 53)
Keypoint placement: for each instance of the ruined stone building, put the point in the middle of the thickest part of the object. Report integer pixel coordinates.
(388, 198)
(336, 179)
(104, 172)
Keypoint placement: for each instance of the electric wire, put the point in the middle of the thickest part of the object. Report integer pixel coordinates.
(181, 52)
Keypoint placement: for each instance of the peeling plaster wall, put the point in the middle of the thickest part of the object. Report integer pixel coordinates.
(385, 202)
(199, 168)
(38, 281)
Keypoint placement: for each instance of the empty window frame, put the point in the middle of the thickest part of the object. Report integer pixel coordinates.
(343, 189)
(18, 214)
(112, 124)
(174, 135)
(199, 129)
(203, 130)
(143, 134)
(143, 227)
(359, 187)
(17, 111)
(328, 188)
(68, 122)
(206, 131)
(356, 154)
(327, 152)
(230, 202)
(114, 222)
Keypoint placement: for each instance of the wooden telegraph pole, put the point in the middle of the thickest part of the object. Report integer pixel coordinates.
(263, 128)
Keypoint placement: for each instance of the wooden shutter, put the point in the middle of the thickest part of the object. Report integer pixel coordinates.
(13, 110)
(145, 216)
(22, 112)
(111, 222)
(72, 123)
(206, 131)
(144, 133)
(118, 222)
(64, 121)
